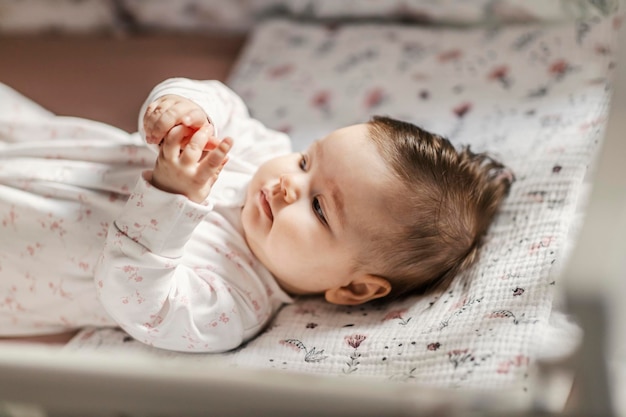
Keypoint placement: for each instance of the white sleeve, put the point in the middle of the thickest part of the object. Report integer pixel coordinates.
(149, 292)
(253, 142)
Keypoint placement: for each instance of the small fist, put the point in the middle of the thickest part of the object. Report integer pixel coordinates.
(171, 110)
(189, 169)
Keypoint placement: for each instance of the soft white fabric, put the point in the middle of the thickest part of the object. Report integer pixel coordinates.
(174, 274)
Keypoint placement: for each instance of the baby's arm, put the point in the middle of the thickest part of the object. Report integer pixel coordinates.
(146, 285)
(143, 278)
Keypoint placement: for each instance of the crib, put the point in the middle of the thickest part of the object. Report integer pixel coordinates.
(533, 329)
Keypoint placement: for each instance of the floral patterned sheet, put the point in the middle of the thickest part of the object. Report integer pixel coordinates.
(535, 96)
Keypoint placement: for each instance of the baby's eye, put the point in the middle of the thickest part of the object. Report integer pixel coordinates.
(303, 162)
(317, 209)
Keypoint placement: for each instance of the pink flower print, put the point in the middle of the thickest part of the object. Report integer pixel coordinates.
(321, 99)
(139, 198)
(66, 321)
(293, 344)
(518, 361)
(460, 356)
(433, 346)
(280, 71)
(10, 218)
(518, 291)
(558, 68)
(224, 318)
(501, 74)
(503, 314)
(450, 55)
(285, 128)
(10, 301)
(399, 315)
(53, 225)
(602, 49)
(374, 97)
(462, 109)
(599, 121)
(543, 243)
(104, 228)
(57, 289)
(32, 249)
(132, 273)
(355, 340)
(305, 310)
(139, 298)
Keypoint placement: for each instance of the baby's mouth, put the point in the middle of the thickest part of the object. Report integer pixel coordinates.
(265, 205)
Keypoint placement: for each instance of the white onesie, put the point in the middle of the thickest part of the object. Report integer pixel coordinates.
(174, 274)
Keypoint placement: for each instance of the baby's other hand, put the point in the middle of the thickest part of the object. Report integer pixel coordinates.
(171, 110)
(189, 169)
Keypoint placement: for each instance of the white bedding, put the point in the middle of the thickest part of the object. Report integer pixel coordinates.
(535, 96)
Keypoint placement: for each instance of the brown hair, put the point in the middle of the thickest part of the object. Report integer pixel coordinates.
(451, 199)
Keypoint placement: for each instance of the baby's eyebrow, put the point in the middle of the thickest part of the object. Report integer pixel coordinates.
(336, 196)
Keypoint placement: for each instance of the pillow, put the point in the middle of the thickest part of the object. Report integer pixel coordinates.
(534, 96)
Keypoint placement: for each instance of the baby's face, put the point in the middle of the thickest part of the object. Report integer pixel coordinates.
(305, 214)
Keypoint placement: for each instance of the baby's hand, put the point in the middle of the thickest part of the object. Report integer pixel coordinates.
(171, 110)
(189, 169)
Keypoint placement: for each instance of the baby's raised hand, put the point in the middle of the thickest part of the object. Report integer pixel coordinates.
(171, 110)
(189, 169)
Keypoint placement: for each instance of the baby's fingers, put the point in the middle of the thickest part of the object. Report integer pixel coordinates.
(200, 140)
(212, 164)
(156, 118)
(171, 110)
(170, 148)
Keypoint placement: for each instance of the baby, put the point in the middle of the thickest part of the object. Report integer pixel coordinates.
(222, 232)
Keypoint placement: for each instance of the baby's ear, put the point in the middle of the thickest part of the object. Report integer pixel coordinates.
(361, 290)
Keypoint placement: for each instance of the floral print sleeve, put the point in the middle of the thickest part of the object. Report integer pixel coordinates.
(178, 275)
(146, 286)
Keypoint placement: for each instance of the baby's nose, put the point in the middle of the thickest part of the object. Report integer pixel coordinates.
(288, 188)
